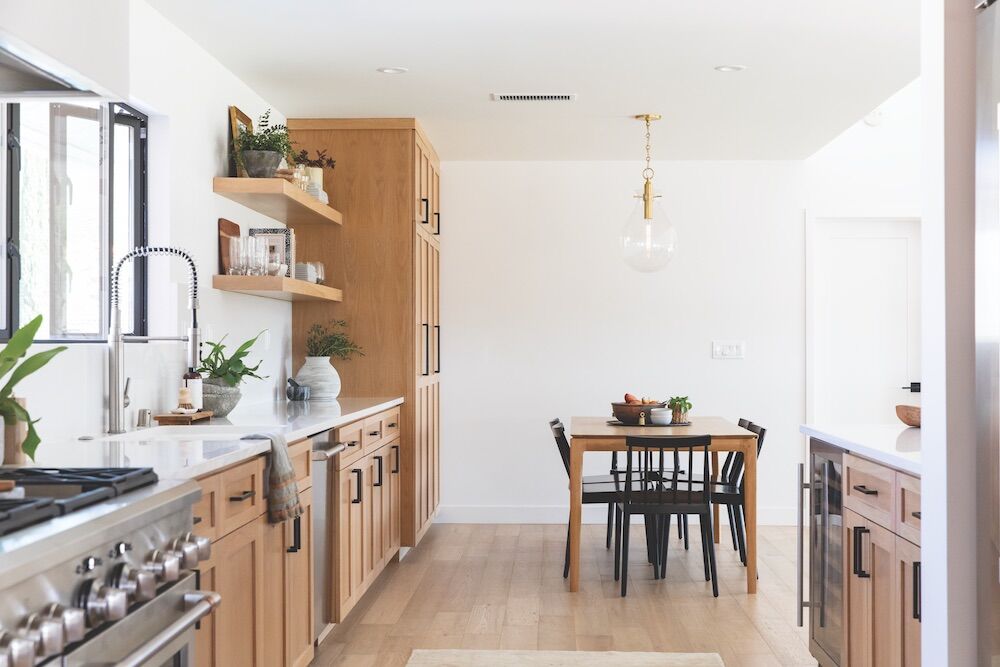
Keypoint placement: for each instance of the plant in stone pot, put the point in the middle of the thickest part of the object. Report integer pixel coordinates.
(261, 152)
(679, 406)
(20, 437)
(221, 387)
(323, 343)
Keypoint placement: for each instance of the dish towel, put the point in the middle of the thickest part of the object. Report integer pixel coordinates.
(281, 491)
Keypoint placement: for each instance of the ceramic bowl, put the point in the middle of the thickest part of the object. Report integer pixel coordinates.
(909, 414)
(661, 416)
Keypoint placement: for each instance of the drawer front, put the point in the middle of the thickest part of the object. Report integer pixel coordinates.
(301, 455)
(869, 489)
(390, 424)
(371, 434)
(241, 495)
(350, 435)
(206, 510)
(908, 507)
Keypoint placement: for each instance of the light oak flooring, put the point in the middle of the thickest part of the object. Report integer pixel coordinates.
(501, 586)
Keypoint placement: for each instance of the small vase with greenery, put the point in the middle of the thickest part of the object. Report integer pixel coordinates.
(223, 375)
(20, 436)
(679, 406)
(324, 342)
(261, 152)
(314, 166)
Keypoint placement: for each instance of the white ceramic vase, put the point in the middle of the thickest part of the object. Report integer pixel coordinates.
(315, 176)
(321, 377)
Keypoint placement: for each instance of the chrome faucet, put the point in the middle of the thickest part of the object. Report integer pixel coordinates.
(118, 398)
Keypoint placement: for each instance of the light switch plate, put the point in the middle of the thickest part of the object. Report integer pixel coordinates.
(729, 349)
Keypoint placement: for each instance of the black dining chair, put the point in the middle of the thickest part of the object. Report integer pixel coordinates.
(729, 491)
(654, 489)
(597, 489)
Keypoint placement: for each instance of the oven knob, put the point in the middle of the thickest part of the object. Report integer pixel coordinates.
(203, 543)
(74, 621)
(103, 603)
(186, 551)
(16, 651)
(165, 566)
(45, 634)
(140, 585)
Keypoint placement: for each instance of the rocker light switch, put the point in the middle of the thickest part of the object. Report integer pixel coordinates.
(728, 349)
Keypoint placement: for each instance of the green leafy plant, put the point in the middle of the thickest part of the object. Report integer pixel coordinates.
(679, 403)
(267, 138)
(321, 159)
(324, 340)
(15, 349)
(231, 370)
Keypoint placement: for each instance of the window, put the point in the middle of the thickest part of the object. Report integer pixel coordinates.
(75, 191)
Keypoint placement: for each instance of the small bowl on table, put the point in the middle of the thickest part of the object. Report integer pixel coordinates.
(628, 413)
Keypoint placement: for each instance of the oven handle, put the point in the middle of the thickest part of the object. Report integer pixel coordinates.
(199, 604)
(799, 561)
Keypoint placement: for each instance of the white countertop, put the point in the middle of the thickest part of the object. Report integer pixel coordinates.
(895, 445)
(175, 455)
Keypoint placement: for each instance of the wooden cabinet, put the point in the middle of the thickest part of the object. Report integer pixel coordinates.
(263, 571)
(881, 567)
(387, 184)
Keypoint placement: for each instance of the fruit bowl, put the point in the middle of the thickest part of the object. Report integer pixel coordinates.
(628, 413)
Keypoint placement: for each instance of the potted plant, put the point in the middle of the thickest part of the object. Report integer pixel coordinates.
(679, 406)
(20, 437)
(323, 342)
(221, 387)
(314, 166)
(260, 153)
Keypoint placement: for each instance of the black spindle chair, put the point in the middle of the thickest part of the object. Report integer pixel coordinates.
(654, 489)
(730, 492)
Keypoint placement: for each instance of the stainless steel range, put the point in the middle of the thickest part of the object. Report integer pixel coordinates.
(98, 567)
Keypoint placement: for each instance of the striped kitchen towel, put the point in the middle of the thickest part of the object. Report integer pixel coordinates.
(281, 490)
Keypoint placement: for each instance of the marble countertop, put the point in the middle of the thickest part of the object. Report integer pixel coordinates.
(185, 452)
(895, 445)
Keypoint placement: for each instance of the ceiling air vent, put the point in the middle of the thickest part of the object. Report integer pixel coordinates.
(503, 97)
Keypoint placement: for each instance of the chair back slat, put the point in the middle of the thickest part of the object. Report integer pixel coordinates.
(562, 444)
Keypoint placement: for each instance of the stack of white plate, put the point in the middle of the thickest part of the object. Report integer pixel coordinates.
(304, 271)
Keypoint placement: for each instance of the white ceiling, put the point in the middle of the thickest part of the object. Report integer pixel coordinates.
(813, 68)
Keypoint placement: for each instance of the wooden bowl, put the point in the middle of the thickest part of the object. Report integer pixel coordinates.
(628, 413)
(909, 414)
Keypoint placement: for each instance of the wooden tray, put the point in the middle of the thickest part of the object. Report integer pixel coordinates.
(183, 420)
(615, 422)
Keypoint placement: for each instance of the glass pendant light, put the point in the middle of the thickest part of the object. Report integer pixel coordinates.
(648, 238)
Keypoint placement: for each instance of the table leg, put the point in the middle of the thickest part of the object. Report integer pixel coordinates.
(575, 512)
(750, 511)
(715, 506)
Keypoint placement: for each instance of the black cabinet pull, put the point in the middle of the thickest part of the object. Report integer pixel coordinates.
(915, 515)
(427, 349)
(395, 471)
(379, 482)
(374, 434)
(427, 210)
(917, 593)
(296, 535)
(437, 333)
(392, 425)
(352, 443)
(437, 227)
(246, 495)
(859, 570)
(196, 520)
(357, 471)
(865, 490)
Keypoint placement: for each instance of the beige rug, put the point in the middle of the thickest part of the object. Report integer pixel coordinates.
(455, 658)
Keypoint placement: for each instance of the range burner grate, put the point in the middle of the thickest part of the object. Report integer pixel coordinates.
(76, 488)
(17, 513)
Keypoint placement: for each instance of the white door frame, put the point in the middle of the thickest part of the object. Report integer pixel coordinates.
(812, 223)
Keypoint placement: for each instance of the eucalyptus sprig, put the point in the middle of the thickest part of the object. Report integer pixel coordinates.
(321, 159)
(232, 370)
(323, 340)
(268, 138)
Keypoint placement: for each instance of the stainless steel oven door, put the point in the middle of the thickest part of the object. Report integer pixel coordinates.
(157, 634)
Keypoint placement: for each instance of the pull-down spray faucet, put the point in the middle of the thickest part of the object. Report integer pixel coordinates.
(117, 386)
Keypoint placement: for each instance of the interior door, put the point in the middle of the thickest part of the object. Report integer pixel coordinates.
(864, 322)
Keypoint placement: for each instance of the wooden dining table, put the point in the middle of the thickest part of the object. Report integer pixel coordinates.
(595, 434)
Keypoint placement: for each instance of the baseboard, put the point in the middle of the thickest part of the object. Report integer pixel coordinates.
(766, 516)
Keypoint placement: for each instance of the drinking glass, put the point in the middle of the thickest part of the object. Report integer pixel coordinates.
(238, 256)
(320, 272)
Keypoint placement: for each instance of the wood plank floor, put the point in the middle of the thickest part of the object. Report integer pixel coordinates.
(501, 586)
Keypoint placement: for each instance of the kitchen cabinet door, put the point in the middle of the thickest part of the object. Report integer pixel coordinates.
(395, 495)
(424, 331)
(435, 446)
(422, 186)
(869, 552)
(907, 603)
(299, 586)
(238, 578)
(274, 541)
(434, 306)
(349, 536)
(383, 468)
(435, 186)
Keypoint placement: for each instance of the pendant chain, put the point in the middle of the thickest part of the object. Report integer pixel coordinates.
(647, 173)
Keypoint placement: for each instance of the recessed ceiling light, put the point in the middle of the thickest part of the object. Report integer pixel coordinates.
(730, 68)
(392, 70)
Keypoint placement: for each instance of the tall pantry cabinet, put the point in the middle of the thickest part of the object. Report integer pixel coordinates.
(387, 182)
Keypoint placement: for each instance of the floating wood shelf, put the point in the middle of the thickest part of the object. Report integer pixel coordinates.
(277, 198)
(277, 287)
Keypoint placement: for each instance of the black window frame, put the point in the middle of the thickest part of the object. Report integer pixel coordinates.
(117, 114)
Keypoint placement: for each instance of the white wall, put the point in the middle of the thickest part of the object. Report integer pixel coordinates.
(187, 94)
(542, 319)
